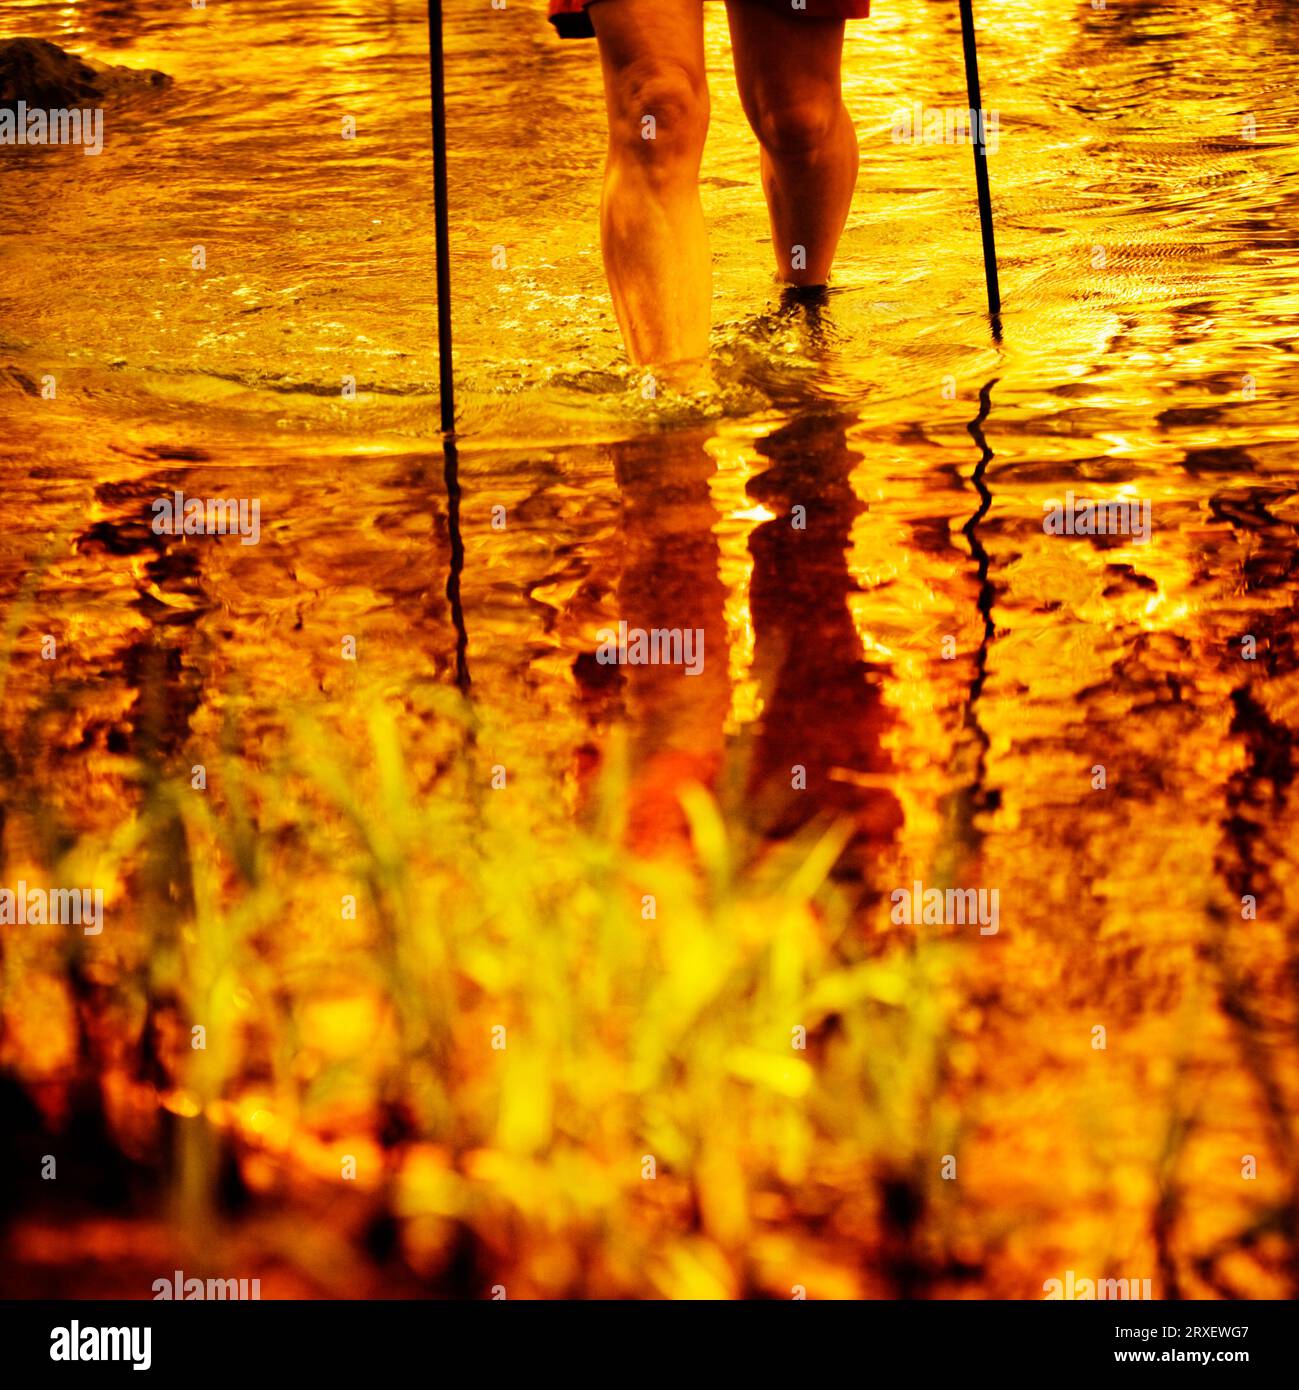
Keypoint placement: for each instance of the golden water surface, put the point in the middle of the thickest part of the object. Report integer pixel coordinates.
(653, 881)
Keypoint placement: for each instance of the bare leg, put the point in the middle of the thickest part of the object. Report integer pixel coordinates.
(651, 221)
(787, 67)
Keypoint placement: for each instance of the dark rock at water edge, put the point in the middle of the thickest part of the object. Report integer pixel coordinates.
(43, 75)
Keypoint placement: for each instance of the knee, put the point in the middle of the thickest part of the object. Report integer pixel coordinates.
(659, 118)
(796, 127)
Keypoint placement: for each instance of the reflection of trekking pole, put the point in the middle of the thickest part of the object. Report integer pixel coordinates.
(446, 379)
(980, 158)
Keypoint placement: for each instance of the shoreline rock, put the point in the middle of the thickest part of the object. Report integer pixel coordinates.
(44, 75)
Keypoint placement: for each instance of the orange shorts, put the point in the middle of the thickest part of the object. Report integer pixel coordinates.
(572, 21)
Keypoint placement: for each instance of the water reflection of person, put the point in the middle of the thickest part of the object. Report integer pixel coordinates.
(822, 710)
(669, 580)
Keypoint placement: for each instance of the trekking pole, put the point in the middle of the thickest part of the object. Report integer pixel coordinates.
(980, 160)
(437, 86)
(446, 374)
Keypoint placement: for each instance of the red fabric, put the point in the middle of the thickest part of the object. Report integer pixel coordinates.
(573, 22)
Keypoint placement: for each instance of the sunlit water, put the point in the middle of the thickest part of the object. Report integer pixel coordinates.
(1147, 211)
